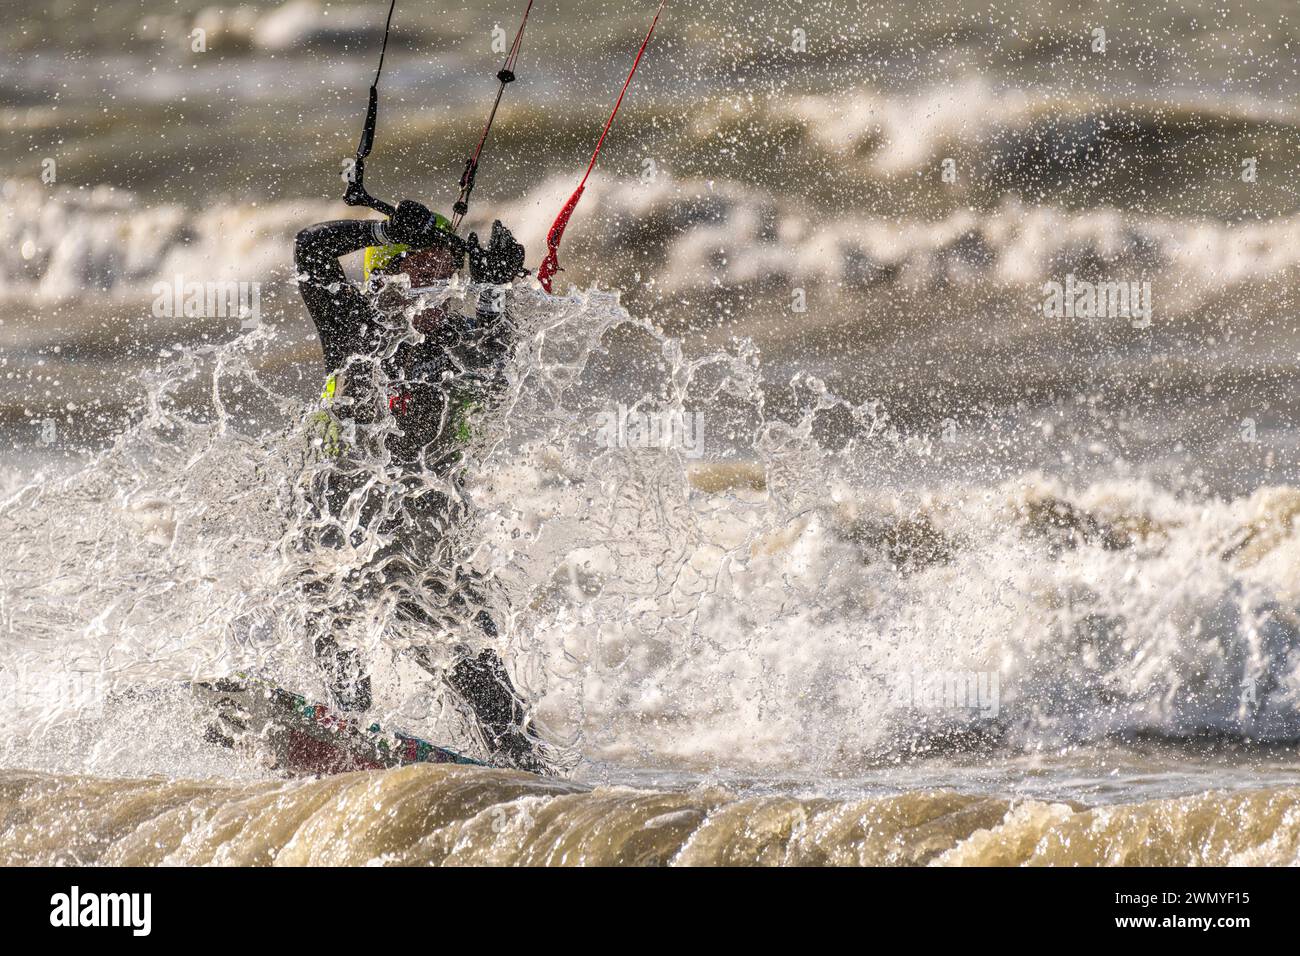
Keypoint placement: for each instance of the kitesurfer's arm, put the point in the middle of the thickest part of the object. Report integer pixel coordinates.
(499, 263)
(336, 305)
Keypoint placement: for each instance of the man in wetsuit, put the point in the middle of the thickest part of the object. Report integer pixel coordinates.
(401, 391)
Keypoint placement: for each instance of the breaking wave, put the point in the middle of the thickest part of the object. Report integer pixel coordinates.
(66, 245)
(425, 815)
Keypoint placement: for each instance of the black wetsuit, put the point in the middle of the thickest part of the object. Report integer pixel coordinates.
(429, 384)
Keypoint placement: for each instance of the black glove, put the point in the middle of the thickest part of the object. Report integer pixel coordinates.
(410, 224)
(501, 262)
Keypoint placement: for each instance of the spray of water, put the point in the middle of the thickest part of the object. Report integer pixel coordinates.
(681, 572)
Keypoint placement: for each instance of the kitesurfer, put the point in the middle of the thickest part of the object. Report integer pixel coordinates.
(412, 386)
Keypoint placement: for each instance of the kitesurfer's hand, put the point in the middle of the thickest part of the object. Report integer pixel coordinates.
(412, 225)
(501, 262)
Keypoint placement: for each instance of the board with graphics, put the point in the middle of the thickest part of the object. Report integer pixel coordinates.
(300, 738)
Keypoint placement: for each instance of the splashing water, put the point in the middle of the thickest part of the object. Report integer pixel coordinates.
(684, 573)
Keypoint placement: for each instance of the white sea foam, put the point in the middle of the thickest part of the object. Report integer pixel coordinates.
(751, 609)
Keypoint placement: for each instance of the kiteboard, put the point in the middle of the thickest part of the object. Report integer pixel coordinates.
(298, 737)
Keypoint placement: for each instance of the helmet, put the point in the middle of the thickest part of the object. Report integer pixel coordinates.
(380, 257)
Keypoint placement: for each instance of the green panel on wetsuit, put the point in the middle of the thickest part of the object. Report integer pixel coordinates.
(462, 430)
(324, 426)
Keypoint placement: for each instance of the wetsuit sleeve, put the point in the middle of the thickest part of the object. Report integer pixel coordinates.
(494, 330)
(336, 305)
